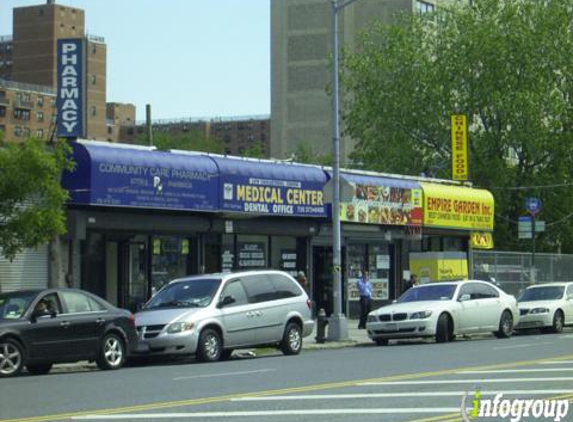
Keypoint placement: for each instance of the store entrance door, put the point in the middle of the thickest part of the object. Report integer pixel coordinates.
(322, 285)
(134, 273)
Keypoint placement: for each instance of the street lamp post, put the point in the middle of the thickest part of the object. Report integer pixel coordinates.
(337, 323)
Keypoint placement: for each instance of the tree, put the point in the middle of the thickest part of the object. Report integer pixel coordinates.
(304, 153)
(31, 197)
(256, 150)
(193, 140)
(507, 65)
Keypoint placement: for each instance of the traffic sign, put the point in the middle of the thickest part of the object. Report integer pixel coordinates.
(533, 205)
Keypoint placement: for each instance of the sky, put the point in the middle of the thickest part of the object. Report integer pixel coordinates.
(187, 58)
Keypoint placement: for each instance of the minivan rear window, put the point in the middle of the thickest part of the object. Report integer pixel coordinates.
(284, 286)
(193, 293)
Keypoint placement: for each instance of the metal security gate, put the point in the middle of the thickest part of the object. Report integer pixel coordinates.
(29, 270)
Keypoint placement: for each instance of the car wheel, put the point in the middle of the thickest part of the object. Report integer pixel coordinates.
(443, 329)
(381, 342)
(558, 322)
(292, 339)
(112, 352)
(505, 325)
(11, 358)
(39, 369)
(210, 347)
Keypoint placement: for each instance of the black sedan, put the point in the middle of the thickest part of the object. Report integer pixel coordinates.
(39, 328)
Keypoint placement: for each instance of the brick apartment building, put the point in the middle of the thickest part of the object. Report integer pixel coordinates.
(28, 67)
(236, 134)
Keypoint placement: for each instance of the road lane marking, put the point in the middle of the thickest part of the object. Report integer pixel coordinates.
(404, 394)
(301, 389)
(517, 371)
(556, 362)
(224, 374)
(258, 413)
(522, 346)
(474, 381)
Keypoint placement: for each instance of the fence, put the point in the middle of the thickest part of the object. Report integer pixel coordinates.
(514, 271)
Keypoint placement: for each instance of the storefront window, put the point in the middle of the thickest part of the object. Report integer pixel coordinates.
(170, 260)
(375, 258)
(228, 253)
(284, 255)
(252, 252)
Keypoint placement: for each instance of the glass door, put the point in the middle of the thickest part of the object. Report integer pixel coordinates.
(136, 274)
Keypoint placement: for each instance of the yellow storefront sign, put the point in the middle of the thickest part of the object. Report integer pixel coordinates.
(481, 240)
(460, 161)
(439, 266)
(456, 207)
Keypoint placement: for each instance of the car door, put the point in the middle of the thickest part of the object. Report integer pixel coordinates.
(569, 305)
(85, 320)
(490, 306)
(264, 303)
(469, 312)
(238, 323)
(46, 336)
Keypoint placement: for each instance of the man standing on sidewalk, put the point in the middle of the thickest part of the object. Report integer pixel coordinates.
(365, 292)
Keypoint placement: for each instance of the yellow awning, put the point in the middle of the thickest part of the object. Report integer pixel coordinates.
(456, 207)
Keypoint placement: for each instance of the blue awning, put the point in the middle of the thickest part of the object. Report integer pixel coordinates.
(109, 175)
(262, 187)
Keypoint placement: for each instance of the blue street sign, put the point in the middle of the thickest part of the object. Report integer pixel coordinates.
(533, 205)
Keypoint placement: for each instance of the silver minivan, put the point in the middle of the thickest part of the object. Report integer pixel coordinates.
(212, 314)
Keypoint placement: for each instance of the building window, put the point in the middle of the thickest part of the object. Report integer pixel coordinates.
(26, 131)
(93, 79)
(21, 114)
(40, 116)
(17, 131)
(94, 49)
(109, 130)
(2, 111)
(40, 133)
(424, 7)
(40, 101)
(8, 48)
(3, 128)
(93, 110)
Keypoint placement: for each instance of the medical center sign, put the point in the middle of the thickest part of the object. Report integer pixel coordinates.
(70, 96)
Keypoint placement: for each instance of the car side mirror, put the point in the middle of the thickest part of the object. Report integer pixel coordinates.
(227, 300)
(464, 298)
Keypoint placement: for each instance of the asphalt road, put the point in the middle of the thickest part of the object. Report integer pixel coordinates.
(410, 381)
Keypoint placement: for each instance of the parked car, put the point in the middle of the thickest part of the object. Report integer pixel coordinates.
(210, 315)
(546, 306)
(443, 310)
(39, 328)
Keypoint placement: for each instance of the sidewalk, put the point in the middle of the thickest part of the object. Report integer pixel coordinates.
(355, 337)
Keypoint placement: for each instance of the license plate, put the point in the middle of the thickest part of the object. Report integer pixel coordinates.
(391, 327)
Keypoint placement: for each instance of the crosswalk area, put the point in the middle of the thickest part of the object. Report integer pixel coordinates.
(497, 394)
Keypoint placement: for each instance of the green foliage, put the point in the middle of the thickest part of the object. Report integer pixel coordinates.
(257, 150)
(193, 140)
(508, 65)
(31, 197)
(304, 153)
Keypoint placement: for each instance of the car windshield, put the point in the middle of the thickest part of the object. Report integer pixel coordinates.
(14, 305)
(195, 293)
(541, 293)
(429, 292)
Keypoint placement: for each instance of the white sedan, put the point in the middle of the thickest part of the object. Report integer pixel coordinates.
(443, 310)
(546, 306)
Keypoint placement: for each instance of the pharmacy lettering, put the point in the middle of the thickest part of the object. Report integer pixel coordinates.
(70, 95)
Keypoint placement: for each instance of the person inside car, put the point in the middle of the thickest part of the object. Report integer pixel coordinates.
(42, 307)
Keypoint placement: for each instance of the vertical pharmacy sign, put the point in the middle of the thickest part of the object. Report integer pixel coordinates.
(460, 161)
(70, 95)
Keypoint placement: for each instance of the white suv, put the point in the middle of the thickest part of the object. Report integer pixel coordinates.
(212, 314)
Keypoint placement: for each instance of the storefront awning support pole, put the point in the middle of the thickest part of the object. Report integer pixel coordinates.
(337, 324)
